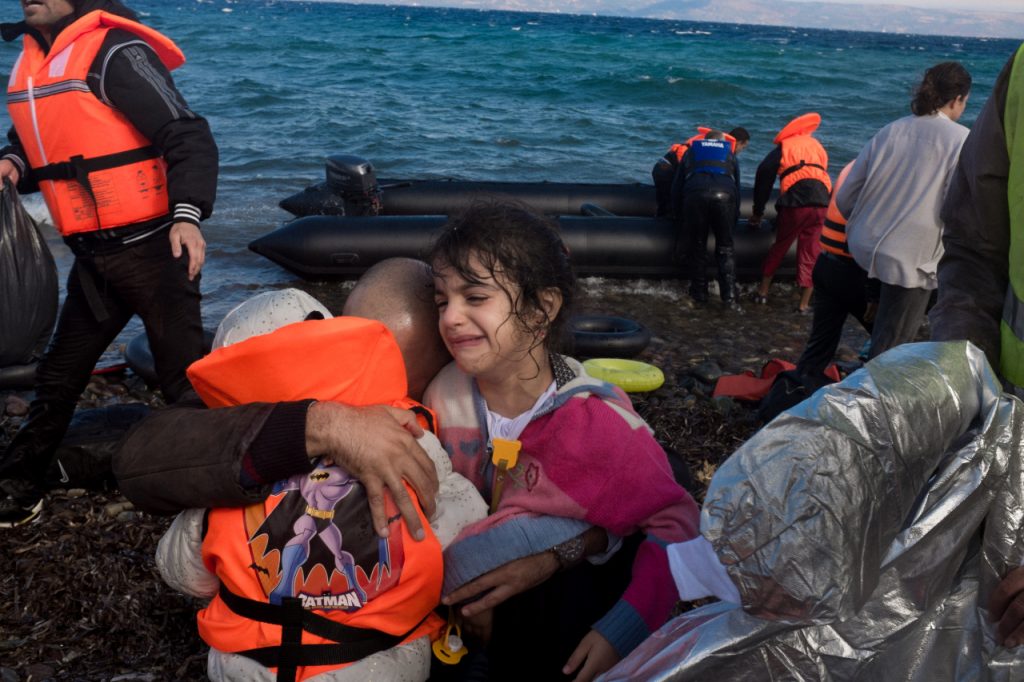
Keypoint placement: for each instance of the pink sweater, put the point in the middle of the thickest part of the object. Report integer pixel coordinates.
(586, 460)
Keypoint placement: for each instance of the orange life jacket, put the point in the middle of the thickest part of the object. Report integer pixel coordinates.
(96, 170)
(346, 359)
(680, 149)
(803, 157)
(833, 234)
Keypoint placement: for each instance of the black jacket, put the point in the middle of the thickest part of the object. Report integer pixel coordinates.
(974, 270)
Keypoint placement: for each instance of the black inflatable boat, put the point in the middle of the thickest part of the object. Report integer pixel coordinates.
(352, 221)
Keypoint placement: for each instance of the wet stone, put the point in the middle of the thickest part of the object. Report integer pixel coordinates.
(116, 508)
(685, 382)
(40, 671)
(75, 492)
(723, 404)
(707, 371)
(15, 406)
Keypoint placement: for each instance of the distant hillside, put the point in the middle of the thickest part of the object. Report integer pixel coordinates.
(855, 17)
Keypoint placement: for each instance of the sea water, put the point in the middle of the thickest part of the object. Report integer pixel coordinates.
(482, 95)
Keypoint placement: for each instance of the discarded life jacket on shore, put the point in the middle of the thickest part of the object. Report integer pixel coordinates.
(95, 169)
(306, 584)
(803, 157)
(753, 387)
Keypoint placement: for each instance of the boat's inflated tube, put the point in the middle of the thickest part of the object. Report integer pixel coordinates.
(607, 336)
(18, 377)
(340, 247)
(139, 357)
(348, 178)
(631, 376)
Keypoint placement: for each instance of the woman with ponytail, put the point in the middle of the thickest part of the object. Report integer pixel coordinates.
(892, 197)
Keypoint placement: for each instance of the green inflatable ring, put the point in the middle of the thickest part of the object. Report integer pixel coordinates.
(632, 376)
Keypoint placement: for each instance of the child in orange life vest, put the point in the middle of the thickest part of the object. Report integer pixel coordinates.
(503, 285)
(311, 545)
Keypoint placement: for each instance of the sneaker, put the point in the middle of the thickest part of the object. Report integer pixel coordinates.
(21, 502)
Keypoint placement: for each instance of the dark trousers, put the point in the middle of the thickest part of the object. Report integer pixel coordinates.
(536, 631)
(840, 289)
(900, 314)
(704, 212)
(106, 286)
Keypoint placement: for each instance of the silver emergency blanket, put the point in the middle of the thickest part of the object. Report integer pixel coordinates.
(865, 530)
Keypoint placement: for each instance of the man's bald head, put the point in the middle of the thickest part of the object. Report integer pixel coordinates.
(399, 292)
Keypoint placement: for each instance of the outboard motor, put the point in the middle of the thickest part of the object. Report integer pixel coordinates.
(353, 179)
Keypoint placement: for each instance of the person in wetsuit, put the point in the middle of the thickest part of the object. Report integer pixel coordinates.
(706, 199)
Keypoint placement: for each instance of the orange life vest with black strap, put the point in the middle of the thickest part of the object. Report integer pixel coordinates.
(96, 170)
(287, 565)
(803, 157)
(833, 234)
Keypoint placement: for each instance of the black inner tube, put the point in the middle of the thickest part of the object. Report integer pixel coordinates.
(607, 336)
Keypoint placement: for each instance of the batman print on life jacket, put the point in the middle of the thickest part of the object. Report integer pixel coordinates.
(313, 539)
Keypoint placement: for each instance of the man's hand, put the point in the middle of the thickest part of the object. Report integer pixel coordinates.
(378, 446)
(188, 237)
(754, 220)
(595, 654)
(503, 582)
(479, 627)
(1006, 608)
(8, 171)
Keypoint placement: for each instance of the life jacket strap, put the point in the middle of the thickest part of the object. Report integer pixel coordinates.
(802, 164)
(77, 168)
(425, 417)
(353, 643)
(710, 166)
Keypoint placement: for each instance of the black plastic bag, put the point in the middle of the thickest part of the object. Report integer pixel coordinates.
(29, 294)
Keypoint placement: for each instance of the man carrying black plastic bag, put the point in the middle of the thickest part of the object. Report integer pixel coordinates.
(127, 192)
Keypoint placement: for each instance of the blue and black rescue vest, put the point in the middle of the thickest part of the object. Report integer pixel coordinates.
(710, 156)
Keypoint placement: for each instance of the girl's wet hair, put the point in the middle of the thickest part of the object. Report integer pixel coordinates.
(514, 246)
(941, 84)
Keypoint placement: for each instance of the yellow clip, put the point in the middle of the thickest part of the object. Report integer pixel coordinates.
(448, 648)
(505, 452)
(504, 455)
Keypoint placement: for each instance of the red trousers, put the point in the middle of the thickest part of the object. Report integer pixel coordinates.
(804, 224)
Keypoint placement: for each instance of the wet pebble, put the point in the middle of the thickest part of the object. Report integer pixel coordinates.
(15, 406)
(723, 404)
(115, 509)
(685, 382)
(126, 516)
(8, 675)
(689, 402)
(76, 492)
(40, 671)
(707, 371)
